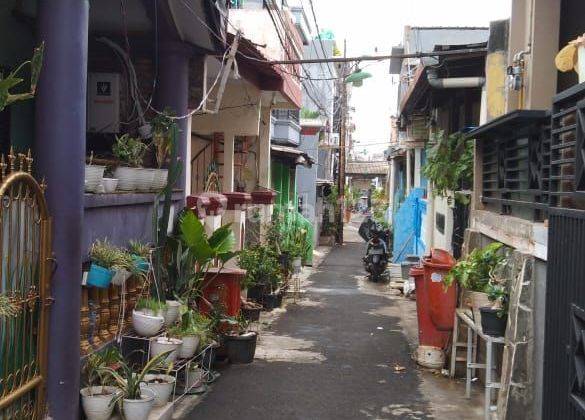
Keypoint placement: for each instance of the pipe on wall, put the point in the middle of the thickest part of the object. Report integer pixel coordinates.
(453, 82)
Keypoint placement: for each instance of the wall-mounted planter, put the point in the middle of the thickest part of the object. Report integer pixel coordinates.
(99, 276)
(120, 277)
(141, 264)
(160, 179)
(127, 178)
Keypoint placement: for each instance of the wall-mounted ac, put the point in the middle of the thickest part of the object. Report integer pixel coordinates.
(103, 102)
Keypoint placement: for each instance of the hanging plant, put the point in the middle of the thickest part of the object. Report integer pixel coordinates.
(8, 308)
(14, 79)
(449, 164)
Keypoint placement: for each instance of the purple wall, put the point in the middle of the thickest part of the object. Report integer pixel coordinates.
(120, 217)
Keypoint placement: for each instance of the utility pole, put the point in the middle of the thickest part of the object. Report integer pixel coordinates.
(342, 152)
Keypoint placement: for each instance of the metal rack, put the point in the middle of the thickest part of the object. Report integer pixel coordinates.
(181, 366)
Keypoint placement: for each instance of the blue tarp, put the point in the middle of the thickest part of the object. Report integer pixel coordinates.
(407, 223)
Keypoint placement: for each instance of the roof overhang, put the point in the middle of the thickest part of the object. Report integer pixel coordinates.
(293, 154)
(516, 123)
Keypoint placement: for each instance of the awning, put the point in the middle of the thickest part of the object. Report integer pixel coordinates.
(265, 76)
(299, 157)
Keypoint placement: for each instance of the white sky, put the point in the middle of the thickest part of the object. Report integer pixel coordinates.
(371, 24)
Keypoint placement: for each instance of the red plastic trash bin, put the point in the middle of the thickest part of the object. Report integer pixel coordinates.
(442, 301)
(222, 291)
(428, 335)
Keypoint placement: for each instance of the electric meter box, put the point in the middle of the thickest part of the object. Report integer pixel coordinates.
(103, 108)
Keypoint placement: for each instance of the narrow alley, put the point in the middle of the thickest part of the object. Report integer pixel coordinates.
(339, 353)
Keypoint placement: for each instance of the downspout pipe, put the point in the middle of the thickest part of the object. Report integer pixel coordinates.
(453, 82)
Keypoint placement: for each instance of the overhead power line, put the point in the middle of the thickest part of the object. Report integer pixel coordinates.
(381, 57)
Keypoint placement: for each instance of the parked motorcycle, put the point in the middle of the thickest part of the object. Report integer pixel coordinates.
(378, 248)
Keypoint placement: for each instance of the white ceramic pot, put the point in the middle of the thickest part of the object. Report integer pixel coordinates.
(120, 277)
(297, 265)
(93, 177)
(109, 185)
(189, 346)
(139, 409)
(172, 312)
(164, 344)
(97, 402)
(160, 179)
(127, 178)
(146, 325)
(144, 179)
(194, 378)
(161, 385)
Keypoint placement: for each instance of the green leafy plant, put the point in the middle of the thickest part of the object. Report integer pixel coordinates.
(8, 308)
(104, 254)
(94, 369)
(191, 254)
(309, 115)
(449, 164)
(13, 79)
(139, 248)
(161, 136)
(149, 304)
(261, 265)
(129, 381)
(474, 271)
(499, 295)
(192, 323)
(129, 150)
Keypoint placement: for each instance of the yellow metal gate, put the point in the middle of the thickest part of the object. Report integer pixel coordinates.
(25, 246)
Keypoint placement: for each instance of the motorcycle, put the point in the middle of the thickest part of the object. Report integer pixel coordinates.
(377, 250)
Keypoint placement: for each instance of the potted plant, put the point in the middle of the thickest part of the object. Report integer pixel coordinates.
(161, 139)
(99, 391)
(194, 376)
(147, 317)
(167, 345)
(140, 253)
(473, 275)
(135, 399)
(131, 176)
(103, 259)
(162, 385)
(241, 343)
(123, 268)
(191, 330)
(495, 317)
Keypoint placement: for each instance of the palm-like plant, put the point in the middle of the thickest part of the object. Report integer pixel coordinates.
(129, 381)
(94, 370)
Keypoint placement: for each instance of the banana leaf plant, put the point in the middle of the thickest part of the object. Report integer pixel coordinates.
(192, 254)
(14, 79)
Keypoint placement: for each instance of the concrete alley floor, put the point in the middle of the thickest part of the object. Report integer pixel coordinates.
(341, 352)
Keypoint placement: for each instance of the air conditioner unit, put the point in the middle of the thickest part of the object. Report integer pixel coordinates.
(103, 102)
